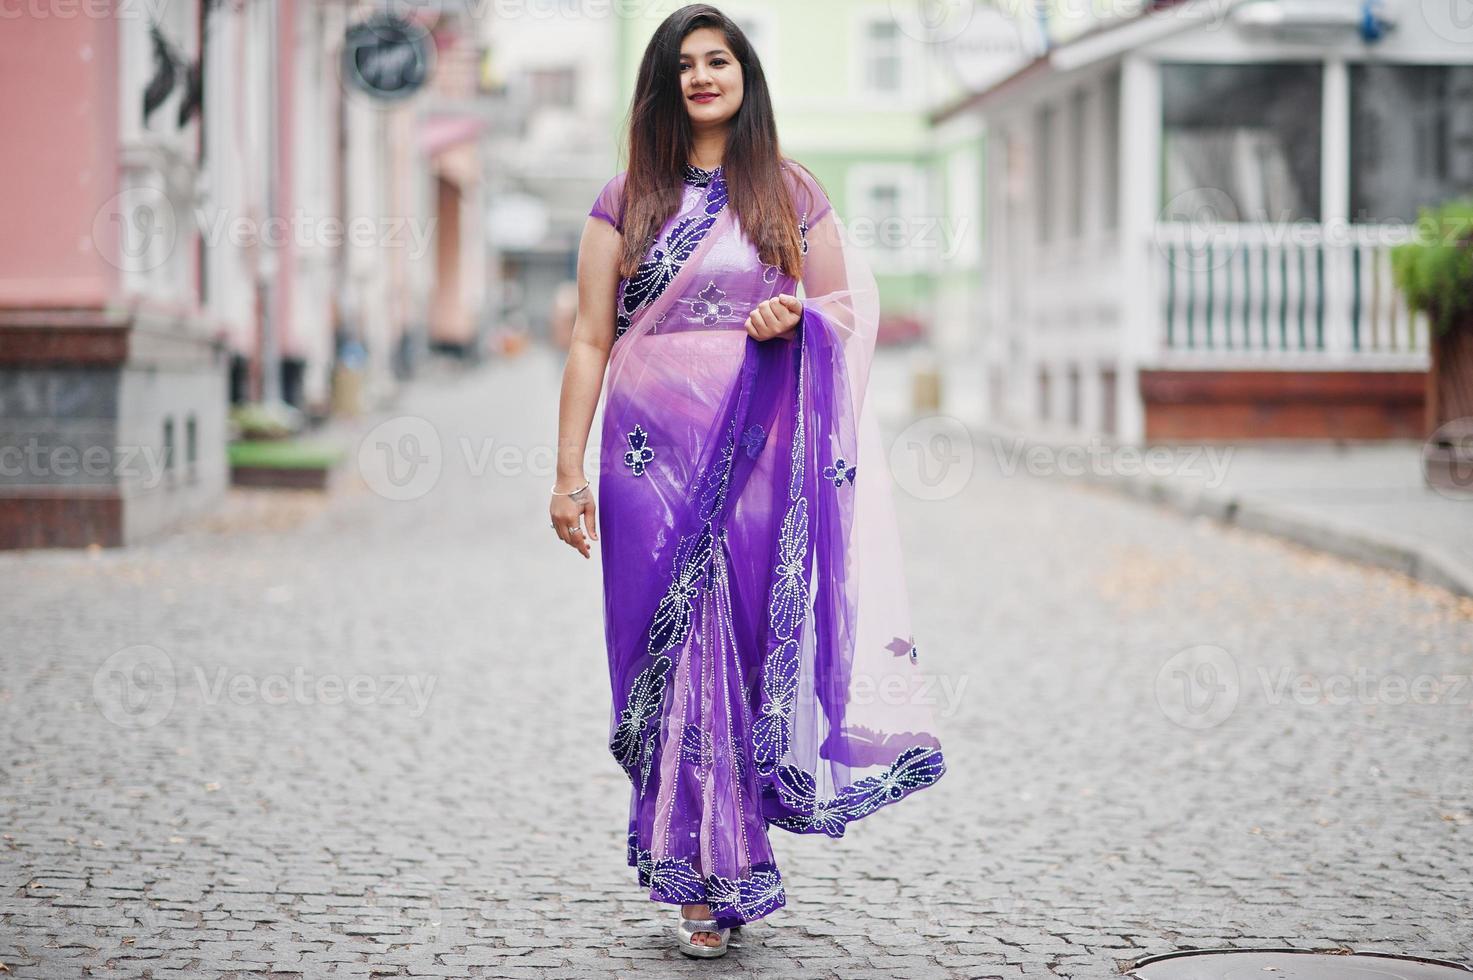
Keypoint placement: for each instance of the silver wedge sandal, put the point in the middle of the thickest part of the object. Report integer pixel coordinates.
(685, 937)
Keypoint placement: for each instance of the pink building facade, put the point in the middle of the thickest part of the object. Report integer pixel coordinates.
(159, 266)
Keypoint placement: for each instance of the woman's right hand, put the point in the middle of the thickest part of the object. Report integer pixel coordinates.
(568, 510)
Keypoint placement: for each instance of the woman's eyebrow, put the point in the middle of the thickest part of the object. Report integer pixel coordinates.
(709, 53)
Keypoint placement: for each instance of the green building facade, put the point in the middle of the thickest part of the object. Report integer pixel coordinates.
(853, 83)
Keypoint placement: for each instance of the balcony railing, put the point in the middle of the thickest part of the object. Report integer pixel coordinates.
(1284, 294)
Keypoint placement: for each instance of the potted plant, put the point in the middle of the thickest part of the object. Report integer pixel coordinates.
(1435, 274)
(265, 420)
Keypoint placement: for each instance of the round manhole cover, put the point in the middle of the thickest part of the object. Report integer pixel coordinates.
(1293, 964)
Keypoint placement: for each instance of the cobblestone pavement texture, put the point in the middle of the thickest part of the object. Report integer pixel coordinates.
(301, 808)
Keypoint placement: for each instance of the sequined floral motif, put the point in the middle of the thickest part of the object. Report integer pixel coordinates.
(639, 452)
(839, 472)
(710, 306)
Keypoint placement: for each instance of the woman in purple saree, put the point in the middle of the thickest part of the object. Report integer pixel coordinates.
(762, 665)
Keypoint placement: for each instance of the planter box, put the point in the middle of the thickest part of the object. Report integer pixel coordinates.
(283, 464)
(1447, 455)
(281, 477)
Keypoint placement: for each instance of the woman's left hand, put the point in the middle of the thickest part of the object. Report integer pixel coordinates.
(775, 317)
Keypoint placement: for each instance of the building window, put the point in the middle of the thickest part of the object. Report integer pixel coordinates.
(887, 197)
(169, 444)
(1073, 395)
(1411, 138)
(1110, 153)
(1241, 142)
(1078, 154)
(1108, 380)
(883, 207)
(1043, 141)
(884, 57)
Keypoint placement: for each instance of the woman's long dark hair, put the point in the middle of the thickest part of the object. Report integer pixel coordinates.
(660, 142)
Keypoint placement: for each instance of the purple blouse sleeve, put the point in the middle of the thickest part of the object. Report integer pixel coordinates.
(610, 202)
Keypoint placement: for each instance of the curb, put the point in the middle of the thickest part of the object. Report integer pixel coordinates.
(1381, 549)
(1423, 562)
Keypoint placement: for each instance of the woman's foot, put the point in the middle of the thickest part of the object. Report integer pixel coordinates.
(701, 912)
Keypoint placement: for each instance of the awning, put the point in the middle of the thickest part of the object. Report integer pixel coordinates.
(440, 132)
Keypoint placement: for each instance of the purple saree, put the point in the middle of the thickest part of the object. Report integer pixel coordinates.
(756, 616)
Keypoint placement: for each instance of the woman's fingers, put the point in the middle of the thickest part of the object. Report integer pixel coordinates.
(571, 533)
(765, 318)
(774, 317)
(574, 536)
(591, 519)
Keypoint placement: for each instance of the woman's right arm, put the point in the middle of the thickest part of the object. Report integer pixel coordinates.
(588, 356)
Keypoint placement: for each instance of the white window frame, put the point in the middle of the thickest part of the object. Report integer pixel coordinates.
(865, 93)
(921, 234)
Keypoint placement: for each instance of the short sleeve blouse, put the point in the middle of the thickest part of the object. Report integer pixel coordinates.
(610, 202)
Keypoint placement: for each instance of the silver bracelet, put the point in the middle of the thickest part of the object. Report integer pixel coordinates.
(567, 493)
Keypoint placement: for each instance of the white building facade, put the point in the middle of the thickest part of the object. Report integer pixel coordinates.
(1189, 216)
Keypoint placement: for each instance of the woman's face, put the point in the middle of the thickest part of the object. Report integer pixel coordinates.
(710, 78)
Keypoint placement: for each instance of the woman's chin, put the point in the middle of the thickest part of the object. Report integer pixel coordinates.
(707, 116)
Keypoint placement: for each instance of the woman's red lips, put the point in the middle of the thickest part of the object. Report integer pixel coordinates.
(703, 97)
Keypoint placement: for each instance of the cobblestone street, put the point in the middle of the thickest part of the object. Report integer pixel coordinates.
(377, 740)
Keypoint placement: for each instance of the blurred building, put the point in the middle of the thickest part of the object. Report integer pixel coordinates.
(1190, 213)
(550, 73)
(200, 213)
